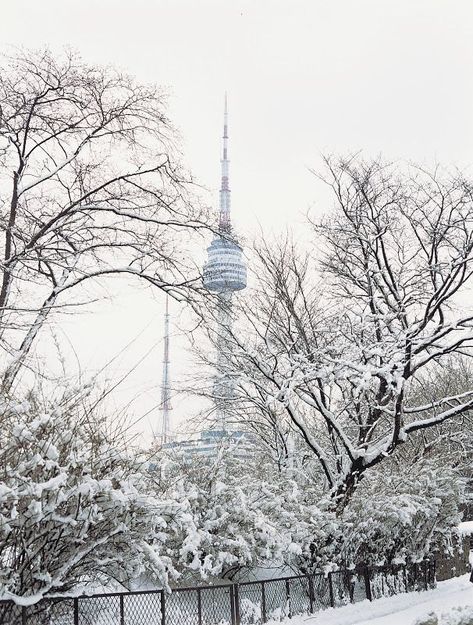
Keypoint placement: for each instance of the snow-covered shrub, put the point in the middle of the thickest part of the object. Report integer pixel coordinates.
(250, 612)
(236, 514)
(394, 517)
(224, 525)
(403, 516)
(244, 514)
(74, 506)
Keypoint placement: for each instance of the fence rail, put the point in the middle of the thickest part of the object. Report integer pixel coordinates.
(245, 603)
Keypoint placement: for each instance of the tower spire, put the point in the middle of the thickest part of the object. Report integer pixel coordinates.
(165, 385)
(224, 223)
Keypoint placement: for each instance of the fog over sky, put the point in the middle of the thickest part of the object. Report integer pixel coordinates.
(304, 78)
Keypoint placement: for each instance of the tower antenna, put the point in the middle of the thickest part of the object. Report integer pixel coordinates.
(165, 385)
(224, 224)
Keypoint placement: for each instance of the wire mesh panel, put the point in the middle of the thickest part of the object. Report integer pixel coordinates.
(10, 614)
(216, 606)
(276, 599)
(141, 609)
(343, 583)
(299, 595)
(99, 610)
(358, 586)
(48, 612)
(182, 606)
(389, 581)
(250, 603)
(60, 612)
(321, 585)
(416, 579)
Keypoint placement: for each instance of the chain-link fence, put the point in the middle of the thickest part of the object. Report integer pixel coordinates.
(247, 603)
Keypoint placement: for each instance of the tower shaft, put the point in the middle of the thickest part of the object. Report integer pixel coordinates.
(224, 390)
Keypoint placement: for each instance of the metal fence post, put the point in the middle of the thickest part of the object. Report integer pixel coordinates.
(330, 588)
(366, 575)
(311, 593)
(405, 577)
(426, 581)
(76, 611)
(23, 615)
(237, 604)
(232, 604)
(288, 598)
(263, 603)
(122, 611)
(163, 608)
(199, 606)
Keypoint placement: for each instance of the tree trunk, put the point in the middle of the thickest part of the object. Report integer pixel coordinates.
(343, 493)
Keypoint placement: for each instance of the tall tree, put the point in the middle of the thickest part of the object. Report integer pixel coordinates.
(338, 339)
(90, 186)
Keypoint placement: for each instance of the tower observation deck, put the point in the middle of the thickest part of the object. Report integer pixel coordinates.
(224, 273)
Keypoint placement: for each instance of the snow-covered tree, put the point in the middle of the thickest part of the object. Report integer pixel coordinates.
(75, 508)
(336, 340)
(449, 442)
(91, 186)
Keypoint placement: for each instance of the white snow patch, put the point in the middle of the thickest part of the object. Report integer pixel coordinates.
(466, 528)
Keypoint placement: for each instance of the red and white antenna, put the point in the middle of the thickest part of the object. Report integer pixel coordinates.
(224, 224)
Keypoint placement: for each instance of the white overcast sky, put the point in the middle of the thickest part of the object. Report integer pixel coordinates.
(304, 77)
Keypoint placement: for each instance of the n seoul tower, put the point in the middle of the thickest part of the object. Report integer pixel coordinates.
(224, 273)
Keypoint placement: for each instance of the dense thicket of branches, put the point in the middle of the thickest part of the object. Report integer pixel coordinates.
(75, 507)
(337, 339)
(90, 186)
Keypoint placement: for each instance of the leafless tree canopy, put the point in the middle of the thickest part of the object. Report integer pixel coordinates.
(90, 185)
(336, 339)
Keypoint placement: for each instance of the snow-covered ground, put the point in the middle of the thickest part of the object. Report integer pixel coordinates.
(402, 609)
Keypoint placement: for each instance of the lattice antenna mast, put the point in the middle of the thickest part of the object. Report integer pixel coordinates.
(165, 385)
(224, 223)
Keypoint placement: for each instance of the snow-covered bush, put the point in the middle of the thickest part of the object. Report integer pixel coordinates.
(237, 514)
(458, 616)
(394, 517)
(74, 506)
(403, 516)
